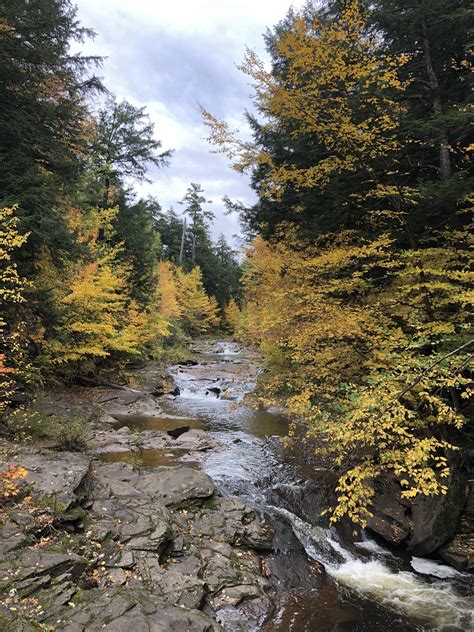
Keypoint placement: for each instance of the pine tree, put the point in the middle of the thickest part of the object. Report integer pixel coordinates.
(199, 217)
(125, 146)
(44, 123)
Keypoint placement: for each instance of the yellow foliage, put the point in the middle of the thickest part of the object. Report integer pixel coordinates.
(367, 342)
(367, 353)
(167, 292)
(182, 299)
(9, 487)
(199, 312)
(11, 294)
(232, 315)
(336, 87)
(98, 317)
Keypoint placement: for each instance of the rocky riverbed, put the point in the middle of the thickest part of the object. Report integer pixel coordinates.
(103, 545)
(187, 513)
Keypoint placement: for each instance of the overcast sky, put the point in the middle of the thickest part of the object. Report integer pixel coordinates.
(171, 55)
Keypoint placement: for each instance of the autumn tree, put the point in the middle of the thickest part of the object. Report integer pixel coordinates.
(232, 316)
(199, 312)
(330, 91)
(12, 286)
(341, 324)
(44, 121)
(360, 312)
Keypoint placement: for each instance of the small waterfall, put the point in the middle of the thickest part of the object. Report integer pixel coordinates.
(434, 604)
(231, 350)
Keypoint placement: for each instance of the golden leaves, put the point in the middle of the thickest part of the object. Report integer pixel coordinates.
(336, 86)
(12, 287)
(9, 487)
(353, 346)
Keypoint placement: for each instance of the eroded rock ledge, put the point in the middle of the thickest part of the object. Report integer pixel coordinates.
(105, 547)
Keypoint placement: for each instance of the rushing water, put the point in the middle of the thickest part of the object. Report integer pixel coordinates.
(323, 585)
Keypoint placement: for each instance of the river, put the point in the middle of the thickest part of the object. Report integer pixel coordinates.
(324, 582)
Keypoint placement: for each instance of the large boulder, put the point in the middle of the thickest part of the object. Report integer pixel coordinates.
(459, 551)
(176, 486)
(423, 524)
(391, 514)
(233, 522)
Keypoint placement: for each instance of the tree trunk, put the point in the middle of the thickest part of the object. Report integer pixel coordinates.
(194, 249)
(444, 157)
(105, 201)
(181, 250)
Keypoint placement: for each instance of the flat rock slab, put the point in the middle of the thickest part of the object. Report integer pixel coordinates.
(59, 476)
(132, 403)
(107, 441)
(38, 568)
(122, 610)
(171, 486)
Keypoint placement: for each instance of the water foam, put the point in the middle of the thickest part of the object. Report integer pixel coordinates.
(435, 569)
(434, 604)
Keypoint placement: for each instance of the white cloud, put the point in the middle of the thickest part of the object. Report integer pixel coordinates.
(170, 56)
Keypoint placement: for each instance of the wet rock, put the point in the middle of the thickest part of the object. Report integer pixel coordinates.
(391, 514)
(196, 440)
(459, 551)
(423, 524)
(214, 389)
(163, 385)
(434, 520)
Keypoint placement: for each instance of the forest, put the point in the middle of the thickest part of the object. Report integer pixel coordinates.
(92, 276)
(355, 283)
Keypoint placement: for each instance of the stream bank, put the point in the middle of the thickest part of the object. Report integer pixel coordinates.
(190, 514)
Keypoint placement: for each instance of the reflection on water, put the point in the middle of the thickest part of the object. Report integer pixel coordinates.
(150, 458)
(142, 422)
